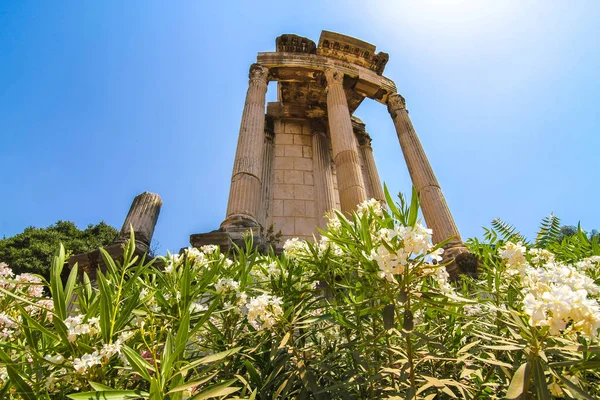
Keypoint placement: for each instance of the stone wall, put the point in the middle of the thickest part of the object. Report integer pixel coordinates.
(293, 207)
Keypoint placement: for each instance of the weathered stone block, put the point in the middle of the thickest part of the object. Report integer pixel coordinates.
(294, 177)
(294, 208)
(278, 208)
(293, 150)
(278, 176)
(279, 150)
(309, 206)
(307, 152)
(283, 138)
(305, 226)
(304, 192)
(283, 191)
(293, 127)
(308, 178)
(303, 164)
(284, 224)
(284, 163)
(304, 140)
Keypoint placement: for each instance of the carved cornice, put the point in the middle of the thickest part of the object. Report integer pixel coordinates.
(352, 50)
(258, 73)
(289, 43)
(395, 103)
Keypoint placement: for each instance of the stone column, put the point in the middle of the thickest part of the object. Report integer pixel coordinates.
(142, 216)
(267, 176)
(374, 183)
(434, 207)
(245, 192)
(345, 155)
(323, 176)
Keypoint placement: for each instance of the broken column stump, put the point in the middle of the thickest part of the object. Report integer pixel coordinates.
(141, 218)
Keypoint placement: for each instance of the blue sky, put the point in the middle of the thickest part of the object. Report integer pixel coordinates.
(100, 101)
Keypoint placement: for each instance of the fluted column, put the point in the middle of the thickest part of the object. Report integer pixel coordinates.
(142, 217)
(267, 176)
(434, 207)
(324, 192)
(374, 183)
(345, 155)
(245, 192)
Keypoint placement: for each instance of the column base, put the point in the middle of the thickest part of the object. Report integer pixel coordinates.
(91, 261)
(232, 231)
(460, 261)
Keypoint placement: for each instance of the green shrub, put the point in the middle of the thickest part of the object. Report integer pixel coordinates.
(367, 311)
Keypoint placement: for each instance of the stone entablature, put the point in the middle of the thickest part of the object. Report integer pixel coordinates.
(352, 50)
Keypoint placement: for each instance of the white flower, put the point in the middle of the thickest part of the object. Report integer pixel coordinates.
(6, 321)
(294, 247)
(197, 306)
(76, 326)
(514, 254)
(225, 285)
(56, 359)
(472, 310)
(109, 350)
(264, 311)
(86, 361)
(33, 284)
(209, 249)
(369, 205)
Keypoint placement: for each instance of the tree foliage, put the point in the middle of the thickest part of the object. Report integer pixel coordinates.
(32, 250)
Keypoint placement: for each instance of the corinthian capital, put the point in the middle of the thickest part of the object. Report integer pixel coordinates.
(334, 76)
(258, 72)
(395, 102)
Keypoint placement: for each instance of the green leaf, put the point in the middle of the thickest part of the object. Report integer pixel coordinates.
(222, 389)
(192, 384)
(15, 378)
(517, 384)
(109, 395)
(539, 380)
(413, 212)
(139, 364)
(211, 358)
(390, 202)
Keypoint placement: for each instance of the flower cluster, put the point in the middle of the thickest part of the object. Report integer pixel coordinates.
(294, 247)
(264, 311)
(399, 247)
(556, 295)
(76, 326)
(225, 285)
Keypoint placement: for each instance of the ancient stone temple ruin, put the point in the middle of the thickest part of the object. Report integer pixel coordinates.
(306, 154)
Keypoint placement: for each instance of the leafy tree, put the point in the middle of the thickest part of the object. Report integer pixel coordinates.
(31, 250)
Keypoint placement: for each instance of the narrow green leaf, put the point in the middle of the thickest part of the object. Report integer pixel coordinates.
(138, 363)
(517, 384)
(109, 395)
(413, 212)
(222, 389)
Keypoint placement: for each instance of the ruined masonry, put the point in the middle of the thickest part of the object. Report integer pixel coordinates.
(308, 154)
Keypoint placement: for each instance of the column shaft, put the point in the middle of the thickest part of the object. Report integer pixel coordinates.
(434, 207)
(324, 193)
(267, 177)
(371, 172)
(142, 217)
(345, 154)
(245, 192)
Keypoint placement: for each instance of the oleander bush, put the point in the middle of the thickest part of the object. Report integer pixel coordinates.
(366, 311)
